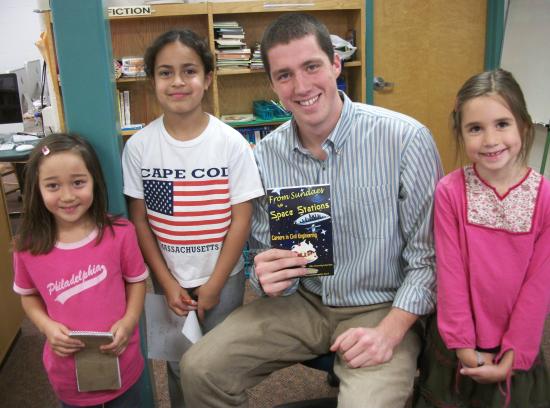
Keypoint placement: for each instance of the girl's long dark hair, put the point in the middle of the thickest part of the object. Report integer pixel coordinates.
(38, 230)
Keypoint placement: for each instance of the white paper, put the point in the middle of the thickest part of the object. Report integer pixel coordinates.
(191, 328)
(165, 340)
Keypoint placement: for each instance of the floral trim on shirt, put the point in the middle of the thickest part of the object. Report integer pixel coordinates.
(512, 213)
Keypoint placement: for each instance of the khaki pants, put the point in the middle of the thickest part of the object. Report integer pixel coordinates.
(272, 333)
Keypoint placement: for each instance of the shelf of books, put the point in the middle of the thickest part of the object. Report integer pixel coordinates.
(247, 71)
(233, 31)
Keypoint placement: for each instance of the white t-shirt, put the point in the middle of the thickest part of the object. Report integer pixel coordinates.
(189, 188)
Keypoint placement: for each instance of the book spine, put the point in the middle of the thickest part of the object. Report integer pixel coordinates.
(126, 98)
(121, 109)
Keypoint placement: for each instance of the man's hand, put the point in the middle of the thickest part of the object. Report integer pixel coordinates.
(277, 270)
(364, 347)
(178, 299)
(57, 335)
(208, 297)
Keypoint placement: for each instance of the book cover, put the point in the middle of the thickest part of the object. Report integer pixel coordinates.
(95, 370)
(300, 220)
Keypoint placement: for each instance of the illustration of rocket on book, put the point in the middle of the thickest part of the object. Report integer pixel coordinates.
(300, 220)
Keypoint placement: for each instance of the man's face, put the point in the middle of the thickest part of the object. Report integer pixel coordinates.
(305, 80)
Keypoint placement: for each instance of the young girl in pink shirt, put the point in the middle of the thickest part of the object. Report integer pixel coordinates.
(492, 235)
(78, 269)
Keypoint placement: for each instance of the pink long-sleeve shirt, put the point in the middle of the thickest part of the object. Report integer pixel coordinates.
(493, 263)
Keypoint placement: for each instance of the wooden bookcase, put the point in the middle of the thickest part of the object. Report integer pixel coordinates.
(231, 91)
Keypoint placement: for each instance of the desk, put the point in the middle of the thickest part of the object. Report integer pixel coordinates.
(11, 313)
(15, 157)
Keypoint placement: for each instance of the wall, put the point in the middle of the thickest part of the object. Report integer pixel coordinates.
(525, 53)
(20, 27)
(535, 158)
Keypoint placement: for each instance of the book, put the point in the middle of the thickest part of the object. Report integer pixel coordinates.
(226, 24)
(234, 51)
(126, 101)
(232, 36)
(228, 30)
(95, 370)
(238, 117)
(230, 42)
(133, 126)
(300, 220)
(233, 56)
(121, 108)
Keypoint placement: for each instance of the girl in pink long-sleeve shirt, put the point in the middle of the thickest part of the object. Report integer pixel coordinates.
(492, 234)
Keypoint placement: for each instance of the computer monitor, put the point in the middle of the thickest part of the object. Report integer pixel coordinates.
(11, 115)
(21, 73)
(33, 86)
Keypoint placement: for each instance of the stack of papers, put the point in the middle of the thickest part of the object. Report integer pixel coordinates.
(168, 335)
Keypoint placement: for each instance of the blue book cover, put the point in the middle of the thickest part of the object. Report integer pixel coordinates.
(300, 220)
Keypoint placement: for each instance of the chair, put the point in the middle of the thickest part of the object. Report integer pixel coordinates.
(323, 362)
(9, 186)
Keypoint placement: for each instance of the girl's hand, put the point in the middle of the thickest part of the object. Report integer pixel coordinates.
(57, 336)
(468, 357)
(208, 297)
(491, 373)
(486, 374)
(179, 300)
(122, 331)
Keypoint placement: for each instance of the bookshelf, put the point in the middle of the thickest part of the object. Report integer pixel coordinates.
(232, 91)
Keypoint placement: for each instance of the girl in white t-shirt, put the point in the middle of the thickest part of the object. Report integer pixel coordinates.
(190, 179)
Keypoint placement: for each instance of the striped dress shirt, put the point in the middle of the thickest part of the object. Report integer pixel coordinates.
(382, 168)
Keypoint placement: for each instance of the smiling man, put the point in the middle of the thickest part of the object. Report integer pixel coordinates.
(382, 167)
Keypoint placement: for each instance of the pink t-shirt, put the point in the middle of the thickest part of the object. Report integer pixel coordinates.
(83, 286)
(493, 263)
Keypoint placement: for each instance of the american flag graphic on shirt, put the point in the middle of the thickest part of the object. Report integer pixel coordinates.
(188, 212)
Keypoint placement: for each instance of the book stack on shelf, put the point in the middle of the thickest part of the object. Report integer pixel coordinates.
(256, 60)
(231, 50)
(124, 114)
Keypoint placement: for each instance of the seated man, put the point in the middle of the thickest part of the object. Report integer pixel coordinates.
(382, 167)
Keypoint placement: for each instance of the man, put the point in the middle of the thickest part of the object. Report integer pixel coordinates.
(382, 168)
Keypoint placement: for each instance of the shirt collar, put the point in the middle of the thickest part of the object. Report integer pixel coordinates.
(339, 134)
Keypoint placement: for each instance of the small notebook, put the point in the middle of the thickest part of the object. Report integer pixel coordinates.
(95, 370)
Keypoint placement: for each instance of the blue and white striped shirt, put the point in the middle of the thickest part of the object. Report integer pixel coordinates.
(382, 168)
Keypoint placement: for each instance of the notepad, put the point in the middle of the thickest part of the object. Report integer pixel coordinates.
(95, 370)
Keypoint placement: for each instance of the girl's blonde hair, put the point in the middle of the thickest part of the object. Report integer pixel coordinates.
(502, 83)
(38, 230)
